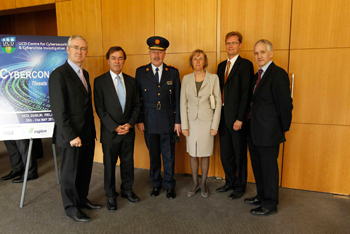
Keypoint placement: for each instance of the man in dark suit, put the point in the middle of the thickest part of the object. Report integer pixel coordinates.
(269, 117)
(236, 75)
(74, 132)
(159, 87)
(118, 105)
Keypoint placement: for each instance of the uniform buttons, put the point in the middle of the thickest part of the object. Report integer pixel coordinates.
(158, 86)
(158, 94)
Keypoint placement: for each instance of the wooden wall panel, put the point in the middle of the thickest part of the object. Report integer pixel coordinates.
(25, 24)
(127, 24)
(188, 25)
(94, 65)
(321, 86)
(181, 62)
(280, 58)
(317, 158)
(7, 24)
(7, 4)
(320, 24)
(27, 3)
(269, 19)
(45, 23)
(82, 18)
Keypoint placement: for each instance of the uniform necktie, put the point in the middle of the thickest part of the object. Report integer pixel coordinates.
(226, 75)
(258, 80)
(82, 78)
(157, 75)
(121, 93)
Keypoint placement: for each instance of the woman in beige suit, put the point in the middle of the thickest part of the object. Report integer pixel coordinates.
(199, 121)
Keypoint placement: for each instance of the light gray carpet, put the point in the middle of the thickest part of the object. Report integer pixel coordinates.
(299, 211)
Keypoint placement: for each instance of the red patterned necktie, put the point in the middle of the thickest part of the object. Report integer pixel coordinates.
(256, 85)
(226, 75)
(258, 80)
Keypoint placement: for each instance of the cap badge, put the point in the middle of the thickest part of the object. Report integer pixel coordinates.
(157, 41)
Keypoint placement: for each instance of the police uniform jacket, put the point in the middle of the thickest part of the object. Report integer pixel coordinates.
(160, 102)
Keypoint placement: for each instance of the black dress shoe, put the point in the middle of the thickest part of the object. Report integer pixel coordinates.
(88, 205)
(252, 201)
(112, 204)
(12, 175)
(79, 217)
(224, 189)
(170, 193)
(132, 197)
(236, 195)
(21, 178)
(263, 211)
(155, 191)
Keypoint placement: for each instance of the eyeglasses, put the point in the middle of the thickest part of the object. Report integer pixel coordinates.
(232, 43)
(76, 48)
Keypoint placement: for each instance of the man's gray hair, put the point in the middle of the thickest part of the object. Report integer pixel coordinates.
(78, 37)
(266, 42)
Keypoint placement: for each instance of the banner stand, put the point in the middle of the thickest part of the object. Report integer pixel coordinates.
(27, 169)
(55, 159)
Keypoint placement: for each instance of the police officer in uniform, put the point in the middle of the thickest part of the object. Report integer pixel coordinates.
(159, 87)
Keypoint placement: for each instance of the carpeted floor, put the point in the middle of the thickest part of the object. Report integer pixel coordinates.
(299, 211)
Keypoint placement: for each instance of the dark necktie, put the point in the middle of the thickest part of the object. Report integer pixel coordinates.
(157, 75)
(258, 80)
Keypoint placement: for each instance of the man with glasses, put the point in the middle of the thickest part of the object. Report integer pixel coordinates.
(74, 132)
(235, 74)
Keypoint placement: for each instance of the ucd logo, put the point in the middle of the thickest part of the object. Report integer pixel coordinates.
(8, 44)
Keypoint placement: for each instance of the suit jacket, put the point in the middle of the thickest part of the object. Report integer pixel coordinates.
(160, 102)
(71, 107)
(109, 110)
(237, 89)
(193, 106)
(271, 107)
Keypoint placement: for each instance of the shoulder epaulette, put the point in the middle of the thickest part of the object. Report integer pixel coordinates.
(143, 65)
(172, 66)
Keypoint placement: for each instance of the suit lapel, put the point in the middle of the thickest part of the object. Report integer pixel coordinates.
(165, 74)
(149, 73)
(75, 78)
(128, 89)
(192, 83)
(205, 81)
(110, 84)
(265, 77)
(234, 68)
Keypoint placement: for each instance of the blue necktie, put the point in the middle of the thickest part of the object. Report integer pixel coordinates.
(157, 75)
(121, 93)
